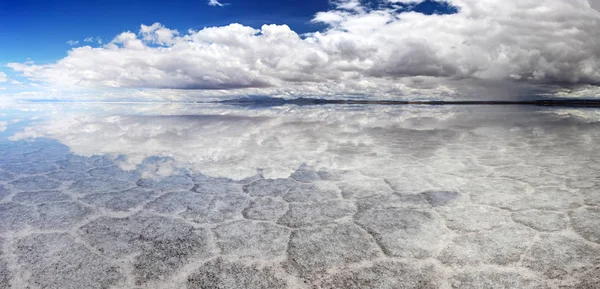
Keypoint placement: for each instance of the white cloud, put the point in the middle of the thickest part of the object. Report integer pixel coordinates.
(515, 47)
(584, 91)
(3, 77)
(158, 34)
(93, 39)
(216, 3)
(73, 42)
(352, 5)
(2, 88)
(15, 82)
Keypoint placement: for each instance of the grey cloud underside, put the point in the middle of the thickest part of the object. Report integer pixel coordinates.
(529, 47)
(209, 86)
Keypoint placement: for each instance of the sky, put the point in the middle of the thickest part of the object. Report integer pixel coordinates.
(382, 49)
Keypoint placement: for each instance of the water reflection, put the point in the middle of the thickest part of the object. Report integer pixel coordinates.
(237, 143)
(169, 196)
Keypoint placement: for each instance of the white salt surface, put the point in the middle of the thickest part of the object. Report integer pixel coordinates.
(300, 197)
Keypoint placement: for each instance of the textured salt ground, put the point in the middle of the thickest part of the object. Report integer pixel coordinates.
(474, 220)
(106, 231)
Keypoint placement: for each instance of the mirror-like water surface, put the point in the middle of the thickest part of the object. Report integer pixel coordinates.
(327, 196)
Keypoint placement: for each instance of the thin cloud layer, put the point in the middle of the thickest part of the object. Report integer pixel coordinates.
(522, 47)
(215, 3)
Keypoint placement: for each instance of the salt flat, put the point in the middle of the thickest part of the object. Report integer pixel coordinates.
(301, 197)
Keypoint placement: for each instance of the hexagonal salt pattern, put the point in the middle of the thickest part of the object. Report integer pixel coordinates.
(4, 272)
(489, 207)
(224, 274)
(58, 260)
(154, 246)
(386, 275)
(252, 239)
(404, 233)
(312, 252)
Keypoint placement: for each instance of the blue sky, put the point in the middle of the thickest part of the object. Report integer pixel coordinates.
(366, 47)
(40, 29)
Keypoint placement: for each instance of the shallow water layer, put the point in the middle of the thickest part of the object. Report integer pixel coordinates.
(324, 196)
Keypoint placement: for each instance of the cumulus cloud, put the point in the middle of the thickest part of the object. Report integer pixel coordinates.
(157, 34)
(527, 46)
(73, 42)
(3, 77)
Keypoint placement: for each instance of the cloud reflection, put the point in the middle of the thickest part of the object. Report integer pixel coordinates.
(233, 142)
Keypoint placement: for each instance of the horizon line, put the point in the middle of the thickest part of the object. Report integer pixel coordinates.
(301, 101)
(318, 101)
